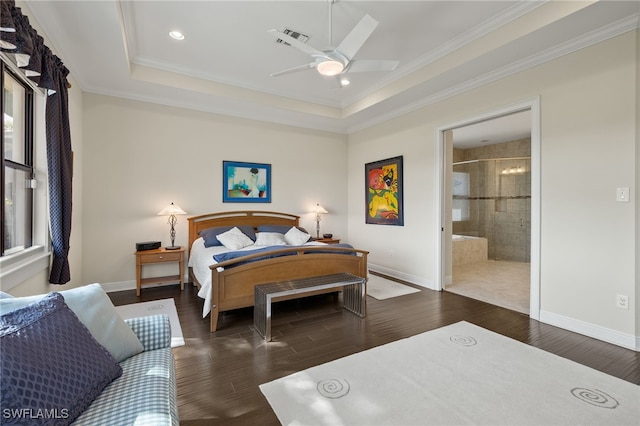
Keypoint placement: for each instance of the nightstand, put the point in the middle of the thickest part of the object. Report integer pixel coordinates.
(327, 240)
(161, 255)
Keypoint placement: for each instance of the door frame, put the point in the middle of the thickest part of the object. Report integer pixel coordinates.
(532, 104)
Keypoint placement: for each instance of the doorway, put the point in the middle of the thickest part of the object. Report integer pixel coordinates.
(490, 216)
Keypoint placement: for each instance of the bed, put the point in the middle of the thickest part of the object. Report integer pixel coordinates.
(229, 284)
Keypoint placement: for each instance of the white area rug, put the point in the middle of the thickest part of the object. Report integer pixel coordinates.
(156, 307)
(382, 288)
(454, 375)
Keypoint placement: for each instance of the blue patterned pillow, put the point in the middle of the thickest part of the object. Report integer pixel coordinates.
(94, 309)
(52, 368)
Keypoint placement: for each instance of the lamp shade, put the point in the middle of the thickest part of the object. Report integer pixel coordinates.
(320, 210)
(171, 209)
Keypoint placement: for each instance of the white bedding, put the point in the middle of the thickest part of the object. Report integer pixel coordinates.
(201, 257)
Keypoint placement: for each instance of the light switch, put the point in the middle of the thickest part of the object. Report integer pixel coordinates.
(622, 195)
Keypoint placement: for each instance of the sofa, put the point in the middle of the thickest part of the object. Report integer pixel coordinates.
(68, 358)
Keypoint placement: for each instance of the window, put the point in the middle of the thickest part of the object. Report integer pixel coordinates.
(460, 197)
(16, 107)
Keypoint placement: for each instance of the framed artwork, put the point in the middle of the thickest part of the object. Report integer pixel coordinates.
(383, 187)
(246, 182)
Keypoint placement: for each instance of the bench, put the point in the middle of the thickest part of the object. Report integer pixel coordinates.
(354, 293)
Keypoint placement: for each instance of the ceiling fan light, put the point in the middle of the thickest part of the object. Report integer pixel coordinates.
(330, 67)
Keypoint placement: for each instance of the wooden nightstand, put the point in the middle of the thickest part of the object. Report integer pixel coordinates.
(327, 240)
(161, 255)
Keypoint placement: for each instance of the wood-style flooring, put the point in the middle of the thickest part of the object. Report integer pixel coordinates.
(218, 374)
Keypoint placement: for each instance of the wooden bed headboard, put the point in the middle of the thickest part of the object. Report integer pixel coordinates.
(248, 217)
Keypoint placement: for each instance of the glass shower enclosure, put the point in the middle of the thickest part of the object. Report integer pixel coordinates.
(491, 199)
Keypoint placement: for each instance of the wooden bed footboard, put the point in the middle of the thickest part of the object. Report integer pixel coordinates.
(234, 287)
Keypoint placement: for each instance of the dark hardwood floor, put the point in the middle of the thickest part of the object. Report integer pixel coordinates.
(218, 374)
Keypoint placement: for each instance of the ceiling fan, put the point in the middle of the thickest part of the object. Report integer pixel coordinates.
(340, 60)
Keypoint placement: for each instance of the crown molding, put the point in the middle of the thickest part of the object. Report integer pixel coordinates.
(594, 37)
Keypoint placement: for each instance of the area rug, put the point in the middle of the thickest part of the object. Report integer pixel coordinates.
(382, 288)
(156, 307)
(454, 375)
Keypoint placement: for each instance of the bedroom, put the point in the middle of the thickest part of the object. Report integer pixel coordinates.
(134, 157)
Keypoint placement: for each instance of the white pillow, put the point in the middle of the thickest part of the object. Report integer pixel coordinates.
(94, 309)
(295, 237)
(270, 239)
(234, 239)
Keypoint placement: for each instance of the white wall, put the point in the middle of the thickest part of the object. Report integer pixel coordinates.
(139, 157)
(588, 149)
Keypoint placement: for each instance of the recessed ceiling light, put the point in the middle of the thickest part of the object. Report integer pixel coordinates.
(176, 35)
(345, 82)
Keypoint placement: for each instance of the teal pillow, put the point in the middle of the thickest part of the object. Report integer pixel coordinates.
(52, 368)
(95, 310)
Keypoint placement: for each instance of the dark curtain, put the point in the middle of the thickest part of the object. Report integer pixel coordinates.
(20, 40)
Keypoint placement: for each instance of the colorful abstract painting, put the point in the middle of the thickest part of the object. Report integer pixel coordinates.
(383, 181)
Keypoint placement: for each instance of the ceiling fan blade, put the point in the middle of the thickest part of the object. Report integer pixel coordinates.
(309, 50)
(372, 65)
(295, 69)
(357, 37)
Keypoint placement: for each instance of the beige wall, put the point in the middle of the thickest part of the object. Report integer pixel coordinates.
(139, 157)
(588, 149)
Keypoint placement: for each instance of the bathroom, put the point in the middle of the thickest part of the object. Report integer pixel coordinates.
(491, 222)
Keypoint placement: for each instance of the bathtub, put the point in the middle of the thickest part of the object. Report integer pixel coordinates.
(455, 237)
(467, 249)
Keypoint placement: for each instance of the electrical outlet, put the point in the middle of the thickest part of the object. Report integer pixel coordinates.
(622, 301)
(622, 195)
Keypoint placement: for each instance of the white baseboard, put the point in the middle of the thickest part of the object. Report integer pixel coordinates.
(628, 341)
(402, 276)
(130, 285)
(119, 286)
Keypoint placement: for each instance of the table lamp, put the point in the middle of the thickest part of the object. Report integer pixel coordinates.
(172, 210)
(318, 211)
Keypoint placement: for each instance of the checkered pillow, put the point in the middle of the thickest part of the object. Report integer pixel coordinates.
(153, 331)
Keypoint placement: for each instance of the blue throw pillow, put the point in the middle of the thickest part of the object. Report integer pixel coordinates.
(282, 229)
(52, 368)
(95, 310)
(209, 235)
